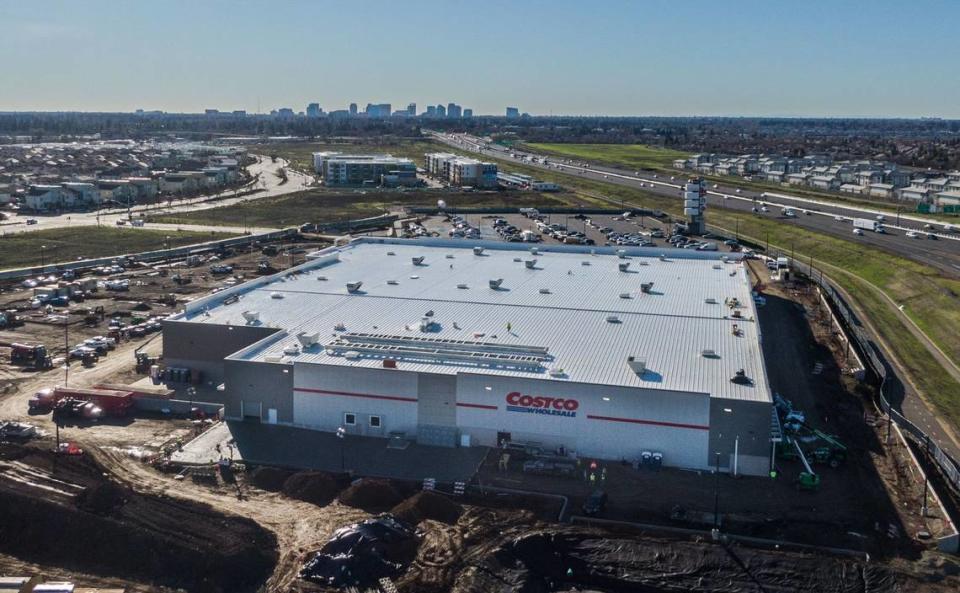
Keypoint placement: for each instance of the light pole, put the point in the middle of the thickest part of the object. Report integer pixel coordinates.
(342, 435)
(42, 260)
(191, 394)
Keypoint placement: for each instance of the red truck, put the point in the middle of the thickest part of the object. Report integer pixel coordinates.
(112, 402)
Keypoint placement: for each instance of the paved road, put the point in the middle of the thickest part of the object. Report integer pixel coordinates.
(942, 253)
(265, 180)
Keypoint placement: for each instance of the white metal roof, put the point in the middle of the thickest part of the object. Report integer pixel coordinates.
(669, 327)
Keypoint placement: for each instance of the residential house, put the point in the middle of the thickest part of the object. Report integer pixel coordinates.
(825, 182)
(896, 177)
(865, 177)
(118, 190)
(41, 198)
(183, 182)
(851, 188)
(146, 188)
(80, 194)
(881, 190)
(798, 178)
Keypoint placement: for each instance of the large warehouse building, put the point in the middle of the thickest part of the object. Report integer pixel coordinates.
(605, 352)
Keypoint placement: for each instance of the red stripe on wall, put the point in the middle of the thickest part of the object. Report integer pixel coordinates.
(651, 422)
(478, 406)
(395, 398)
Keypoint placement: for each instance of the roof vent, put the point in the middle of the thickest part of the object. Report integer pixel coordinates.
(625, 295)
(741, 378)
(709, 353)
(557, 372)
(613, 319)
(717, 267)
(622, 253)
(530, 264)
(276, 295)
(351, 355)
(427, 324)
(535, 250)
(392, 282)
(251, 316)
(462, 286)
(417, 260)
(644, 263)
(354, 286)
(414, 277)
(663, 257)
(495, 284)
(517, 259)
(624, 266)
(272, 358)
(544, 291)
(306, 340)
(584, 263)
(710, 301)
(449, 256)
(292, 350)
(637, 365)
(478, 250)
(321, 278)
(391, 253)
(646, 287)
(339, 327)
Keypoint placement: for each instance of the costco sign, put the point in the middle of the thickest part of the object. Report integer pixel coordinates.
(539, 404)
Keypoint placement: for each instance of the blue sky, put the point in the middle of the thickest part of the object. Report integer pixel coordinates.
(641, 57)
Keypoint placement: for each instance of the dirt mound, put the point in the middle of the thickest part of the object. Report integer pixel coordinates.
(371, 495)
(102, 498)
(427, 505)
(270, 479)
(313, 487)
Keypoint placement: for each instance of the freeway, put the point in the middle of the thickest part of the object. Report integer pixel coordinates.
(942, 253)
(265, 183)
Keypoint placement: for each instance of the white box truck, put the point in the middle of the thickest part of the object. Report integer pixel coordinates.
(868, 224)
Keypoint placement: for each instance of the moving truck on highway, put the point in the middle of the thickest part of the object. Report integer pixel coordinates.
(868, 224)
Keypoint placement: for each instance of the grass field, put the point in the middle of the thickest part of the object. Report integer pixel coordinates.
(300, 154)
(69, 244)
(636, 156)
(320, 206)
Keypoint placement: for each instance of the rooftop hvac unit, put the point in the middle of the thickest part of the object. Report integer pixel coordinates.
(646, 287)
(354, 286)
(417, 260)
(449, 256)
(710, 301)
(292, 350)
(478, 250)
(663, 257)
(495, 284)
(535, 250)
(637, 365)
(709, 353)
(584, 263)
(339, 327)
(556, 372)
(625, 295)
(624, 266)
(621, 253)
(351, 355)
(717, 267)
(462, 286)
(391, 253)
(613, 319)
(251, 316)
(321, 278)
(306, 340)
(530, 264)
(644, 263)
(517, 260)
(392, 282)
(544, 291)
(272, 358)
(276, 295)
(426, 324)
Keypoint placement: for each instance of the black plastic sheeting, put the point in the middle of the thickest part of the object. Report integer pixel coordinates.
(360, 554)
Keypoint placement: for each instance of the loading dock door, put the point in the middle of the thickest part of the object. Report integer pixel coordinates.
(250, 410)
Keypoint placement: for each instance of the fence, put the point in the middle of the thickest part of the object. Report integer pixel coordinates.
(891, 389)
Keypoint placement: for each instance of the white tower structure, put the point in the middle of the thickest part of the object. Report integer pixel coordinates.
(694, 204)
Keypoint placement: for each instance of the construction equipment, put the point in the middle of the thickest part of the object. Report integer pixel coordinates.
(144, 360)
(33, 355)
(808, 479)
(94, 316)
(10, 319)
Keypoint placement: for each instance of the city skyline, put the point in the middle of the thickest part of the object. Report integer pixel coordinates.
(619, 58)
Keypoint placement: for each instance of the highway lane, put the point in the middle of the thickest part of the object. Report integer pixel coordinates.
(942, 253)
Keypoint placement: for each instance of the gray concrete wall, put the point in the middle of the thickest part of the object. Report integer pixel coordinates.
(267, 384)
(742, 426)
(204, 346)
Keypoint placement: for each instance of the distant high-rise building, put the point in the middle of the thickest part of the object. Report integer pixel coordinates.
(441, 111)
(285, 112)
(313, 110)
(353, 109)
(412, 109)
(378, 110)
(513, 112)
(240, 112)
(212, 111)
(468, 113)
(431, 111)
(454, 110)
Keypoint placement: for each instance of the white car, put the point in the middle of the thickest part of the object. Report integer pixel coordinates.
(764, 209)
(912, 235)
(738, 190)
(838, 218)
(858, 232)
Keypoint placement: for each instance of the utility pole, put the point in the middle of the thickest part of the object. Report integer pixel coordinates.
(66, 348)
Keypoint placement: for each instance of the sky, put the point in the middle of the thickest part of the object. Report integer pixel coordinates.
(867, 58)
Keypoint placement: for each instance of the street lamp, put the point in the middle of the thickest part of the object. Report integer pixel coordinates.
(42, 261)
(342, 435)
